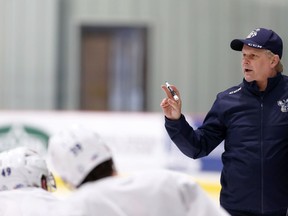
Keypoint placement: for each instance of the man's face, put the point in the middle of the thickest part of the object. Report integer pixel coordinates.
(257, 64)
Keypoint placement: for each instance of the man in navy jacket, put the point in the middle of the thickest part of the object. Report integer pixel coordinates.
(252, 118)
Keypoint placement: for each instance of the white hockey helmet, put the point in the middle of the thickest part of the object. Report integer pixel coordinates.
(75, 152)
(23, 167)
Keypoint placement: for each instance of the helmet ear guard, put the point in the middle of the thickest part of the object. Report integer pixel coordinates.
(48, 183)
(51, 183)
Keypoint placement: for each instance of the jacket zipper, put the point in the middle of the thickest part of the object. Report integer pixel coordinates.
(261, 154)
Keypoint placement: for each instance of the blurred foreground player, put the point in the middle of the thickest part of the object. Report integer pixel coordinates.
(24, 183)
(85, 162)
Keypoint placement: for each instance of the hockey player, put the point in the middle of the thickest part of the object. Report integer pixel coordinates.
(24, 183)
(84, 161)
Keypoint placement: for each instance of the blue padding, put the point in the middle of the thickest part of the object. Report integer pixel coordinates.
(211, 164)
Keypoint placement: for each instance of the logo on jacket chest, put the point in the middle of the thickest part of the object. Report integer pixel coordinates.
(283, 104)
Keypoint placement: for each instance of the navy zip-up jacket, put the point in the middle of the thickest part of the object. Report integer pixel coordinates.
(254, 126)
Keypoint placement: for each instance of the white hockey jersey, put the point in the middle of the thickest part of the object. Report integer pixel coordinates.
(148, 193)
(29, 201)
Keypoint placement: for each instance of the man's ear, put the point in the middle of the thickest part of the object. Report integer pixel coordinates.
(275, 60)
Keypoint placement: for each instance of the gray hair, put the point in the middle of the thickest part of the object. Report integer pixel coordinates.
(279, 67)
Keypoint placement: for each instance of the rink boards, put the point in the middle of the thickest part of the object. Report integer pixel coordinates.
(138, 141)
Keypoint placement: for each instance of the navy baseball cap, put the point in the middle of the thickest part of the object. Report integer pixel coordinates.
(260, 38)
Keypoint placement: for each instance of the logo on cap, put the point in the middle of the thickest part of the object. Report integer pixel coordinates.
(253, 33)
(254, 45)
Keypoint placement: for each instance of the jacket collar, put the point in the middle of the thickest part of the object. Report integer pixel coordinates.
(272, 82)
